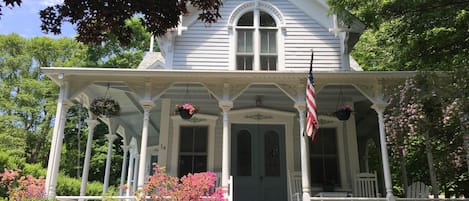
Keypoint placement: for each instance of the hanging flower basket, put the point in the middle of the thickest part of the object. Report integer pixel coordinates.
(105, 106)
(343, 113)
(186, 110)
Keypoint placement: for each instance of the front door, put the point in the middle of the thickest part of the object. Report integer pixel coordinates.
(258, 162)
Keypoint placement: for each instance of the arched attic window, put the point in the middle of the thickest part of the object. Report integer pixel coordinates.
(256, 41)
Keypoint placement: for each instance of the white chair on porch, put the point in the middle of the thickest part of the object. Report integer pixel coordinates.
(365, 185)
(294, 186)
(417, 190)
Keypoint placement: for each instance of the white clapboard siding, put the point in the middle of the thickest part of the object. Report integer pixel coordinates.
(207, 47)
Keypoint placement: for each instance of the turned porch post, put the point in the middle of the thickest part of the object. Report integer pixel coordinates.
(147, 105)
(110, 137)
(130, 171)
(226, 159)
(92, 123)
(379, 108)
(304, 150)
(63, 104)
(125, 149)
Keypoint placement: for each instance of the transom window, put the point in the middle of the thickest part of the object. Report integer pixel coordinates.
(256, 42)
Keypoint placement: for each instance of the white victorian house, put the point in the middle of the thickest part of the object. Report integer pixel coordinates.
(247, 76)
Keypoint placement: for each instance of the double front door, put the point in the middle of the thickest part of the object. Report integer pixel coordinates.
(258, 162)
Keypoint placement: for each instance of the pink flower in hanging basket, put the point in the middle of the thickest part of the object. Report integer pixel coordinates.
(192, 109)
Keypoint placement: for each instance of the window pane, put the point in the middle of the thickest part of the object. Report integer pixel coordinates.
(271, 154)
(269, 41)
(245, 41)
(244, 153)
(267, 20)
(193, 150)
(201, 140)
(247, 19)
(185, 165)
(268, 62)
(244, 62)
(324, 159)
(186, 140)
(200, 164)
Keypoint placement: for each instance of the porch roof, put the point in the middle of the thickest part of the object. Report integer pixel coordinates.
(278, 90)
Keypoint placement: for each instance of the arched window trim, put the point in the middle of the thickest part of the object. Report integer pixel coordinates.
(268, 8)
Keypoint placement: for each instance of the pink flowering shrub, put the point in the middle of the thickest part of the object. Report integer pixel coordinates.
(22, 187)
(193, 187)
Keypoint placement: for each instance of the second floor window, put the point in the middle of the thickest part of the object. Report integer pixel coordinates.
(256, 42)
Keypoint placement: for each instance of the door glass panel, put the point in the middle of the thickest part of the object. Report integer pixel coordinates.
(244, 153)
(271, 154)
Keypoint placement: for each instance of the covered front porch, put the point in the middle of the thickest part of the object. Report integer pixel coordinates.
(249, 126)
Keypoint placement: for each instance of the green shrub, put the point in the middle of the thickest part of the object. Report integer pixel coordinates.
(36, 170)
(71, 186)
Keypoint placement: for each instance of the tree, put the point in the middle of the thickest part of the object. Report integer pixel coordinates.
(410, 35)
(97, 20)
(424, 126)
(27, 98)
(9, 3)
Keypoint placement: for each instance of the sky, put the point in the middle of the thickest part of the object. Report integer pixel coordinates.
(25, 21)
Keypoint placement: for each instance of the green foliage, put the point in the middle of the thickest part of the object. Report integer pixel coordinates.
(112, 54)
(410, 35)
(424, 115)
(71, 186)
(98, 21)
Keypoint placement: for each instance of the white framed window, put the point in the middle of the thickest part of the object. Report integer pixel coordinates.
(324, 159)
(256, 41)
(193, 144)
(257, 31)
(193, 149)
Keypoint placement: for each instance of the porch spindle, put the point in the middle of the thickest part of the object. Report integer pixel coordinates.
(379, 108)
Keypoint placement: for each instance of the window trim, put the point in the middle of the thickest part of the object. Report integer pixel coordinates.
(196, 120)
(275, 13)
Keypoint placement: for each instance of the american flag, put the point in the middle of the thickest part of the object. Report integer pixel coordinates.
(312, 125)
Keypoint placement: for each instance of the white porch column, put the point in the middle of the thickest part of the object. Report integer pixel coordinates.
(125, 149)
(56, 144)
(147, 105)
(110, 137)
(304, 152)
(226, 158)
(92, 123)
(130, 172)
(379, 108)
